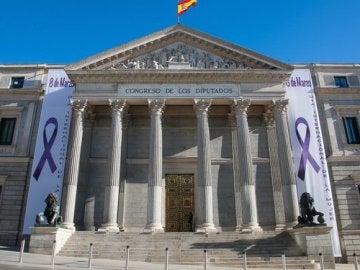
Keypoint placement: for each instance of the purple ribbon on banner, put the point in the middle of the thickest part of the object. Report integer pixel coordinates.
(46, 156)
(305, 144)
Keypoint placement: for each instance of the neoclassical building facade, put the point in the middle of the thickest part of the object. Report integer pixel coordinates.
(189, 123)
(180, 131)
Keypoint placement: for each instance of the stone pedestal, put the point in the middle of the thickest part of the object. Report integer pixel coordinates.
(315, 240)
(42, 239)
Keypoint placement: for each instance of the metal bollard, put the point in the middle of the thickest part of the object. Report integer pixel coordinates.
(166, 259)
(90, 256)
(244, 261)
(127, 257)
(205, 259)
(321, 261)
(283, 261)
(22, 250)
(53, 255)
(356, 262)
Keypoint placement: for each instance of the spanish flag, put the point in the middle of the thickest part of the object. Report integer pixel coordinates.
(184, 5)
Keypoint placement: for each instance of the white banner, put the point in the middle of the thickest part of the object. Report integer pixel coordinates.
(309, 157)
(51, 145)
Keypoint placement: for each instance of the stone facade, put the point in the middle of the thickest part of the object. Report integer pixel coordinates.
(338, 97)
(21, 88)
(181, 102)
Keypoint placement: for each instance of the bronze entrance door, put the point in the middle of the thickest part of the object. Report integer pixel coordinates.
(179, 202)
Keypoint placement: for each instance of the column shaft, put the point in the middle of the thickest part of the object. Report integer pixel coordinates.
(249, 214)
(122, 186)
(286, 164)
(154, 223)
(89, 207)
(204, 213)
(275, 170)
(112, 188)
(73, 162)
(236, 173)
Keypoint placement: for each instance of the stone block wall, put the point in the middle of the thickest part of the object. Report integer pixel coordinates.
(12, 200)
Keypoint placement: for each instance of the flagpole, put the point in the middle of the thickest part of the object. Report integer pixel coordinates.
(178, 16)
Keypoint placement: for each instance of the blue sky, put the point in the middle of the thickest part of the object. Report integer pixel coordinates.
(64, 32)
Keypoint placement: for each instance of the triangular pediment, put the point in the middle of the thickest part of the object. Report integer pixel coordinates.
(178, 47)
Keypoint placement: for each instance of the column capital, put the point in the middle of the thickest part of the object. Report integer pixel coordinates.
(117, 105)
(156, 105)
(78, 105)
(280, 105)
(241, 105)
(269, 116)
(202, 105)
(231, 120)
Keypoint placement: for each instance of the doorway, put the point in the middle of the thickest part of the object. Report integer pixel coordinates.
(179, 202)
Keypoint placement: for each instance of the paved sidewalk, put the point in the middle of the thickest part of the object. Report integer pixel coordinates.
(9, 260)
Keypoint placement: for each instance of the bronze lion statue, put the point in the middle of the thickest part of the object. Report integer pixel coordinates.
(51, 212)
(308, 211)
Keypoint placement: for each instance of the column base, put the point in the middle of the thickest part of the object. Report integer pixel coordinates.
(280, 227)
(69, 226)
(206, 228)
(109, 228)
(153, 228)
(90, 228)
(238, 228)
(251, 229)
(291, 225)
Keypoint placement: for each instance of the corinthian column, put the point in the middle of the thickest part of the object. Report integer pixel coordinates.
(236, 170)
(73, 162)
(204, 204)
(112, 188)
(155, 168)
(286, 165)
(247, 181)
(275, 169)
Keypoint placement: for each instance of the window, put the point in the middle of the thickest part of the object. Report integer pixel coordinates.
(7, 128)
(351, 130)
(341, 81)
(17, 82)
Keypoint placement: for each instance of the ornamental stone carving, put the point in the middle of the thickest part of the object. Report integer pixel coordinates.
(241, 105)
(202, 106)
(280, 106)
(78, 105)
(179, 55)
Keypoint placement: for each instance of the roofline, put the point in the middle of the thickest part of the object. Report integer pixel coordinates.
(167, 31)
(48, 66)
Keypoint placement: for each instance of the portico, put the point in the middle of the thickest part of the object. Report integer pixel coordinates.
(208, 110)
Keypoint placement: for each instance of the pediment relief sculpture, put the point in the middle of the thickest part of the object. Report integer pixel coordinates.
(179, 56)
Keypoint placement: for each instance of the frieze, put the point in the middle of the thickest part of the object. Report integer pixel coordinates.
(179, 56)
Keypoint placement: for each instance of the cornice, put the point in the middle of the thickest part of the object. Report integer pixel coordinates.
(341, 160)
(337, 91)
(178, 76)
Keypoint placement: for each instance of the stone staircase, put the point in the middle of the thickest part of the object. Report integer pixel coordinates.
(263, 249)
